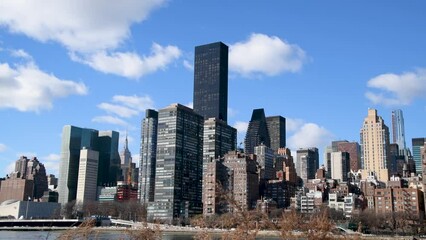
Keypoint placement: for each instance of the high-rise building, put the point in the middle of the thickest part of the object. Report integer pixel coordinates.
(178, 179)
(257, 132)
(127, 165)
(417, 156)
(32, 169)
(73, 140)
(277, 132)
(148, 153)
(214, 177)
(354, 151)
(307, 163)
(218, 139)
(340, 166)
(265, 161)
(375, 146)
(398, 130)
(211, 81)
(87, 176)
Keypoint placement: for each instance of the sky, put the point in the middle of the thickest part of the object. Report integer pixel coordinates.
(319, 64)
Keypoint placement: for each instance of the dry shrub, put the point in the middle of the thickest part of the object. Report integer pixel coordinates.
(84, 231)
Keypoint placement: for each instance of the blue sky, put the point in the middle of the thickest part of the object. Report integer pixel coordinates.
(319, 64)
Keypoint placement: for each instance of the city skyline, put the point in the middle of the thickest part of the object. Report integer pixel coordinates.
(309, 69)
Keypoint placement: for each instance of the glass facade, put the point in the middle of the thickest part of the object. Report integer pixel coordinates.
(148, 156)
(417, 156)
(398, 131)
(257, 132)
(307, 163)
(178, 179)
(73, 140)
(277, 132)
(211, 81)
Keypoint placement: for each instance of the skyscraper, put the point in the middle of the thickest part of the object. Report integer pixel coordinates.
(354, 151)
(127, 165)
(257, 132)
(307, 163)
(417, 156)
(340, 166)
(178, 179)
(87, 175)
(148, 153)
(211, 81)
(218, 139)
(73, 140)
(398, 130)
(277, 132)
(375, 146)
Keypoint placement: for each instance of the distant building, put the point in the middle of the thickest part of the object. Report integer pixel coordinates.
(211, 81)
(13, 188)
(417, 157)
(74, 139)
(214, 178)
(398, 130)
(265, 160)
(107, 194)
(87, 176)
(375, 146)
(284, 166)
(178, 180)
(354, 150)
(127, 165)
(307, 163)
(257, 132)
(277, 132)
(340, 166)
(148, 157)
(28, 209)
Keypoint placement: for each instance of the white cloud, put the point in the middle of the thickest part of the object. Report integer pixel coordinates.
(79, 25)
(139, 103)
(190, 105)
(2, 147)
(394, 89)
(241, 127)
(51, 163)
(26, 154)
(232, 112)
(109, 120)
(129, 64)
(188, 65)
(265, 55)
(20, 53)
(52, 157)
(293, 124)
(118, 110)
(10, 168)
(27, 88)
(310, 135)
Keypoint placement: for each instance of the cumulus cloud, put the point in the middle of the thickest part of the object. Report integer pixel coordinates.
(91, 31)
(2, 147)
(393, 89)
(10, 168)
(52, 157)
(188, 65)
(79, 25)
(51, 163)
(20, 53)
(293, 124)
(27, 88)
(109, 120)
(310, 135)
(241, 127)
(129, 64)
(123, 107)
(265, 55)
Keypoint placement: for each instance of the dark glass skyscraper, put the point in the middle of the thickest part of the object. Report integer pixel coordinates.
(417, 156)
(148, 156)
(276, 130)
(257, 132)
(211, 81)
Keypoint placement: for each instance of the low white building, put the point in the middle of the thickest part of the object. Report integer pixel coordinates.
(28, 209)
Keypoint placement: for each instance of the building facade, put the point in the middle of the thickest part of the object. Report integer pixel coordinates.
(354, 150)
(307, 163)
(398, 129)
(148, 153)
(340, 166)
(178, 179)
(374, 143)
(417, 156)
(277, 132)
(211, 81)
(87, 176)
(257, 132)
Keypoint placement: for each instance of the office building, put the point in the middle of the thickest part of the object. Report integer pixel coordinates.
(15, 188)
(375, 147)
(211, 81)
(277, 132)
(354, 150)
(340, 166)
(398, 130)
(148, 153)
(214, 177)
(257, 132)
(74, 139)
(265, 161)
(87, 176)
(127, 165)
(417, 157)
(218, 139)
(32, 169)
(307, 163)
(178, 179)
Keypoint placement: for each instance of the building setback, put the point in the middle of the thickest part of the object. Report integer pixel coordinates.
(211, 81)
(375, 146)
(178, 179)
(148, 153)
(257, 132)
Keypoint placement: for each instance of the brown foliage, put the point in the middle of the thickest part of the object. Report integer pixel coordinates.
(84, 231)
(144, 232)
